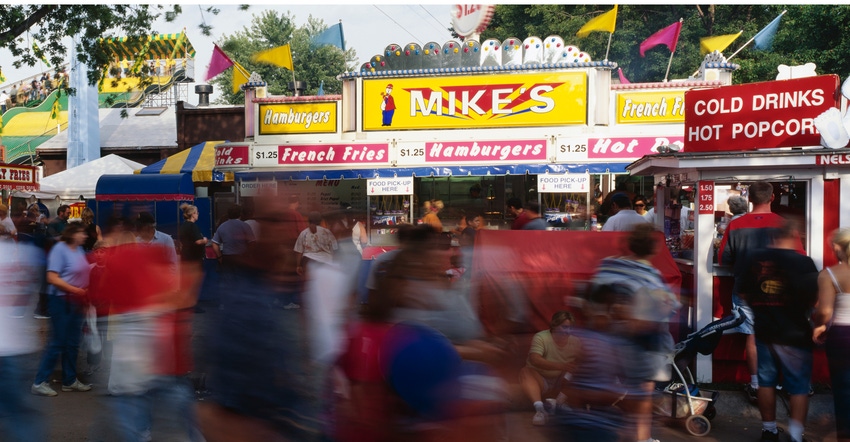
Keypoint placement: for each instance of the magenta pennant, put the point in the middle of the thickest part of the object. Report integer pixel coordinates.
(218, 63)
(668, 36)
(623, 79)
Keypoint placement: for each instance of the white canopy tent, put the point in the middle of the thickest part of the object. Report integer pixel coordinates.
(78, 181)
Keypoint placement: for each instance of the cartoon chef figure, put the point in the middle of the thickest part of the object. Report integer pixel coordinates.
(387, 106)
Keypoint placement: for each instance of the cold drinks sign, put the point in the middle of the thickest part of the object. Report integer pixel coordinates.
(758, 115)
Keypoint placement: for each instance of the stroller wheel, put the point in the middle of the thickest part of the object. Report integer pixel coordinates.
(710, 412)
(697, 425)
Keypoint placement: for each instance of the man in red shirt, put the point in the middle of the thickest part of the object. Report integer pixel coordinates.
(750, 232)
(520, 217)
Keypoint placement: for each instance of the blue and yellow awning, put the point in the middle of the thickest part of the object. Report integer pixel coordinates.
(199, 160)
(152, 47)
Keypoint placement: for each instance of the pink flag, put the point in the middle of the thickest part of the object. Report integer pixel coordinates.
(218, 63)
(623, 79)
(668, 36)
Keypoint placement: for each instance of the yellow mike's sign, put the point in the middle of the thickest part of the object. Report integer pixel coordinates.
(297, 118)
(475, 101)
(651, 107)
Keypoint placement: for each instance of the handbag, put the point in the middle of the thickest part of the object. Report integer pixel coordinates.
(91, 337)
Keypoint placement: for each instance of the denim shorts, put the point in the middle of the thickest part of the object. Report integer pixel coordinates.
(792, 364)
(746, 327)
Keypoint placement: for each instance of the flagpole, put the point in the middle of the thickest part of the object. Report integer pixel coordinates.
(610, 34)
(751, 40)
(670, 63)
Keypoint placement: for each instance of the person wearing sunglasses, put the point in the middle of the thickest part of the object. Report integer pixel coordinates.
(641, 205)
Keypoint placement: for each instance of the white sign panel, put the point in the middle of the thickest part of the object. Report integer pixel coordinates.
(410, 153)
(569, 183)
(570, 149)
(390, 186)
(471, 19)
(255, 188)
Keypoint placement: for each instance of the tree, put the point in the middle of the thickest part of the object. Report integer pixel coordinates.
(49, 25)
(268, 30)
(807, 33)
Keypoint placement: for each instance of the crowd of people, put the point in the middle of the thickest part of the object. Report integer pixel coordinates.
(293, 352)
(35, 89)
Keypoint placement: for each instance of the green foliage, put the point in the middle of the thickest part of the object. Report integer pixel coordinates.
(807, 34)
(268, 30)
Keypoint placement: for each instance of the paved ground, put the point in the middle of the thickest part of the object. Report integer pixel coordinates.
(79, 417)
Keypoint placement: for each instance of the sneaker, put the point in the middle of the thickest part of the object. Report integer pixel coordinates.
(42, 389)
(550, 405)
(769, 436)
(811, 391)
(76, 386)
(539, 418)
(752, 394)
(291, 306)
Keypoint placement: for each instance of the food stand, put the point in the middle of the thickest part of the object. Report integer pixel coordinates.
(735, 135)
(473, 125)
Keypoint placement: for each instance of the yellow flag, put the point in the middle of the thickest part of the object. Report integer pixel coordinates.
(240, 76)
(280, 56)
(716, 43)
(606, 22)
(54, 111)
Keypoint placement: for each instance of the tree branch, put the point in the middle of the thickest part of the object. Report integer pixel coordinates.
(20, 28)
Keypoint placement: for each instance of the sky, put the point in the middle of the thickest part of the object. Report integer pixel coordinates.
(368, 28)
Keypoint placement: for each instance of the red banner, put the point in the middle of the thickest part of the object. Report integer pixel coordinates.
(231, 156)
(758, 115)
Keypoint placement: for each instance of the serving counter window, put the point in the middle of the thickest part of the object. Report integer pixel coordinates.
(461, 196)
(790, 200)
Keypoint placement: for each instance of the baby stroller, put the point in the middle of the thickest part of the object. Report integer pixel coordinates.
(681, 398)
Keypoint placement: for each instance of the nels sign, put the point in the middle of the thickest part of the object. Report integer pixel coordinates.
(475, 101)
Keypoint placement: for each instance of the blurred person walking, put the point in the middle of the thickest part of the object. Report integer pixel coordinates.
(21, 419)
(263, 384)
(149, 393)
(232, 243)
(646, 326)
(68, 279)
(831, 320)
(146, 233)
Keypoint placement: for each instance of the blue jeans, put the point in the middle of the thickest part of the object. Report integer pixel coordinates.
(792, 364)
(20, 419)
(169, 402)
(66, 320)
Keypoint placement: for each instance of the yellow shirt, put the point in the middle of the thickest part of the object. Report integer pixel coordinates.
(544, 344)
(432, 219)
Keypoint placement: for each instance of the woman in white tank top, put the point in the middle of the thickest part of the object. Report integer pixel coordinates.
(832, 328)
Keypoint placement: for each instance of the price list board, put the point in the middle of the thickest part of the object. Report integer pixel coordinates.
(705, 197)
